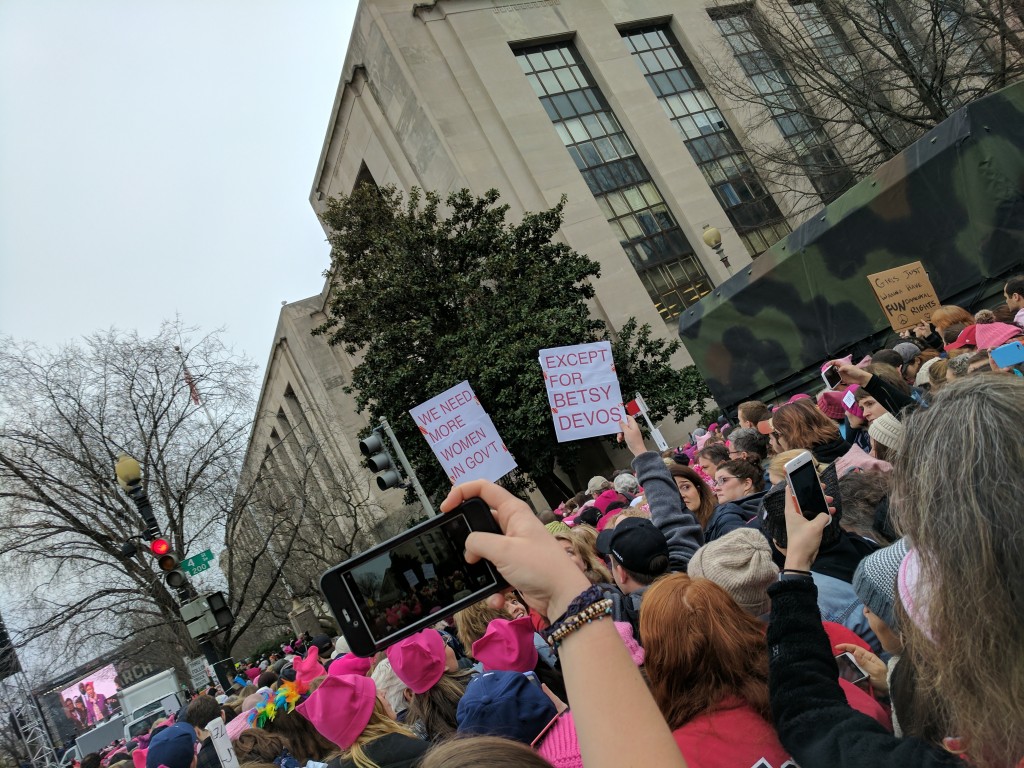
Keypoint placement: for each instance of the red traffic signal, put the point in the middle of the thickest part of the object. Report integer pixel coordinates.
(160, 547)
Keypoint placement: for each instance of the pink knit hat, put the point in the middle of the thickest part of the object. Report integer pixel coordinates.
(340, 708)
(308, 669)
(560, 746)
(850, 404)
(507, 646)
(419, 661)
(625, 631)
(914, 593)
(350, 664)
(991, 335)
(236, 725)
(830, 403)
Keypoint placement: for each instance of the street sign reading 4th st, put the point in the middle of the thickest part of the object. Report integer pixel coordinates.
(198, 563)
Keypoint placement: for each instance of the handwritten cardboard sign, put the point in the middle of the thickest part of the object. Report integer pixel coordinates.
(905, 294)
(583, 390)
(462, 436)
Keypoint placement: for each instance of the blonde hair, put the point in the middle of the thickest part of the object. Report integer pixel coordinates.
(380, 725)
(471, 623)
(584, 542)
(777, 466)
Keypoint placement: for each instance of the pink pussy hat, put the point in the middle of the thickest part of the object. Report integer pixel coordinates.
(419, 661)
(349, 664)
(340, 708)
(308, 669)
(507, 646)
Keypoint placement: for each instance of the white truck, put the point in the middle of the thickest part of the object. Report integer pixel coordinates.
(146, 702)
(100, 737)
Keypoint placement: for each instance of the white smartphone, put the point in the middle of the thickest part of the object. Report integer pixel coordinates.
(831, 377)
(849, 669)
(803, 481)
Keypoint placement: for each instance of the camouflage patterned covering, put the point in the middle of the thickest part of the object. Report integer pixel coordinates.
(953, 200)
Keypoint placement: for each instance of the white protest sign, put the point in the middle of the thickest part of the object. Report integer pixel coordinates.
(222, 743)
(428, 571)
(197, 672)
(462, 436)
(583, 390)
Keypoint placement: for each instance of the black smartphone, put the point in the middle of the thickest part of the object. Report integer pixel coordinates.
(411, 581)
(806, 485)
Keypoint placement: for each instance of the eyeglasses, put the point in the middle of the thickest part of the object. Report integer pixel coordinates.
(726, 478)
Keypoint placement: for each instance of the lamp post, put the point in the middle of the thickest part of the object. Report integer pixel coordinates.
(713, 240)
(129, 477)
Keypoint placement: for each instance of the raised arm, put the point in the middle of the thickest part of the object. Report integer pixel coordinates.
(668, 513)
(531, 560)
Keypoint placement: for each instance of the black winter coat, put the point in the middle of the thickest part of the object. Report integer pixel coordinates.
(814, 722)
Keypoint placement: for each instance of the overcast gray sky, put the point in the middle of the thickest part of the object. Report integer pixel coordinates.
(155, 159)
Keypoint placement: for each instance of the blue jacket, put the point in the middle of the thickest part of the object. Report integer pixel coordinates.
(838, 603)
(732, 515)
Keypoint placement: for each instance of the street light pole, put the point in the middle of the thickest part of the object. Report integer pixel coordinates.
(713, 239)
(129, 477)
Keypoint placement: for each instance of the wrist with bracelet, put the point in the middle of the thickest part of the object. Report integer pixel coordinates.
(590, 605)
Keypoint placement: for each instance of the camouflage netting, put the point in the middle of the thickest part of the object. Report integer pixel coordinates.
(953, 200)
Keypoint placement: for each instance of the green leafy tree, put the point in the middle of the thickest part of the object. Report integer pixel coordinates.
(430, 298)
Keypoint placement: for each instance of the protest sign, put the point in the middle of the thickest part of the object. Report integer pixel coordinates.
(905, 294)
(583, 390)
(462, 436)
(222, 743)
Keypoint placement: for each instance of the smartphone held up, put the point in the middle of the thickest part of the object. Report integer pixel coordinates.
(805, 485)
(411, 581)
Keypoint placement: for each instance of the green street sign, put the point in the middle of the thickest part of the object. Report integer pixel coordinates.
(198, 563)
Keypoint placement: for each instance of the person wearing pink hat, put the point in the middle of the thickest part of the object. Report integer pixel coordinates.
(308, 669)
(992, 335)
(350, 664)
(434, 683)
(346, 710)
(507, 646)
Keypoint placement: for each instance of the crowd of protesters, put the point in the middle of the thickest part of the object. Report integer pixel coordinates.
(684, 611)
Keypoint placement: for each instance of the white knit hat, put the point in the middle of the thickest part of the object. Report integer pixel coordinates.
(887, 430)
(740, 563)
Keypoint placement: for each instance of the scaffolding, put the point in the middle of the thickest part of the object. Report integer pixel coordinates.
(30, 728)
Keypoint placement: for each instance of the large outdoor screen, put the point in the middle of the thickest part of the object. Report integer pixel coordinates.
(92, 699)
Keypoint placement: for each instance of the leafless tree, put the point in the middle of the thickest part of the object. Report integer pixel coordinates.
(66, 415)
(852, 83)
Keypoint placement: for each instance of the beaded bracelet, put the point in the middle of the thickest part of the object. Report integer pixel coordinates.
(595, 612)
(585, 599)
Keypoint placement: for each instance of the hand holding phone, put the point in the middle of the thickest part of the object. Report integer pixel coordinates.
(849, 669)
(412, 580)
(832, 377)
(527, 556)
(805, 485)
(1008, 355)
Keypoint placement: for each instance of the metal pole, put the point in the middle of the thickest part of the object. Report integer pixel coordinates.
(408, 468)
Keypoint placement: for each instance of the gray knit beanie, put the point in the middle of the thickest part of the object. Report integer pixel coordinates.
(741, 563)
(874, 581)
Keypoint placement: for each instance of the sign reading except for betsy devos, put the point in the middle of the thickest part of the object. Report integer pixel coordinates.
(462, 436)
(905, 294)
(583, 390)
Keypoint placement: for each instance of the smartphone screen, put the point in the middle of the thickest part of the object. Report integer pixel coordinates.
(416, 578)
(849, 670)
(807, 489)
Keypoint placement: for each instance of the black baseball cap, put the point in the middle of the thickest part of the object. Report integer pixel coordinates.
(635, 542)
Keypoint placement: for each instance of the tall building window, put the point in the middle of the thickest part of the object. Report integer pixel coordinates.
(618, 179)
(710, 141)
(827, 37)
(788, 108)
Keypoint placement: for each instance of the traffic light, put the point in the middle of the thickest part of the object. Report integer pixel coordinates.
(168, 562)
(379, 461)
(221, 610)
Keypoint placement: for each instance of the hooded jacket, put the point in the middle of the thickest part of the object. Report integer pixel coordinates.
(392, 750)
(732, 515)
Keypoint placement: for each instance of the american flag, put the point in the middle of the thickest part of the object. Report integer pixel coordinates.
(191, 384)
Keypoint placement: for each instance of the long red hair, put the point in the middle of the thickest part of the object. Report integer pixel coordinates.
(701, 648)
